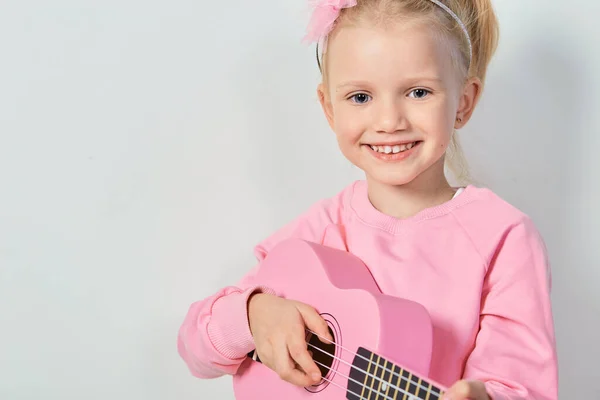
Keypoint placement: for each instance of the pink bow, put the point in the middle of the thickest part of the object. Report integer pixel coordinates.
(324, 16)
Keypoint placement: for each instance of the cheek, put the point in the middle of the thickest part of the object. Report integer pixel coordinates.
(441, 123)
(348, 124)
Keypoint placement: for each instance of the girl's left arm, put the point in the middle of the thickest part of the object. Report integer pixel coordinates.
(514, 356)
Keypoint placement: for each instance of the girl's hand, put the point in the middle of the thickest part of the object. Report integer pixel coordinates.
(467, 390)
(278, 328)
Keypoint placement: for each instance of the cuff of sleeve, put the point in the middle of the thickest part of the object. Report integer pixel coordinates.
(496, 393)
(229, 329)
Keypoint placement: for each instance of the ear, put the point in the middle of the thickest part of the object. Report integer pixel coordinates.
(325, 101)
(467, 102)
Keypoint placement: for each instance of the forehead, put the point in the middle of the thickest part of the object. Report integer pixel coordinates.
(397, 51)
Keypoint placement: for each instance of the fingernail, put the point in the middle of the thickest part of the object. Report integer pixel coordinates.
(316, 376)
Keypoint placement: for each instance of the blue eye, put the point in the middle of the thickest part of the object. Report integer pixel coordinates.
(420, 93)
(360, 98)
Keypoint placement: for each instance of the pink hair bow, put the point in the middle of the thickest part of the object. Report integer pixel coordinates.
(324, 16)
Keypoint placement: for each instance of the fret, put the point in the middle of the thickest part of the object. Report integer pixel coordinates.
(427, 389)
(398, 375)
(412, 386)
(359, 373)
(375, 380)
(406, 379)
(381, 384)
(362, 394)
(383, 380)
(419, 388)
(387, 379)
(434, 393)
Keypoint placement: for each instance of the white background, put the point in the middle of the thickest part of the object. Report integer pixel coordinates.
(147, 146)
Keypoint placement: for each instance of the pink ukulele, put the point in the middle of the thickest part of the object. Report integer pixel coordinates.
(382, 344)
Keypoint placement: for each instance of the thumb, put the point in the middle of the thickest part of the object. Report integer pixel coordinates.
(315, 323)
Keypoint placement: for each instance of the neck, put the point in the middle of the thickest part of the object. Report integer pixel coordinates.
(429, 189)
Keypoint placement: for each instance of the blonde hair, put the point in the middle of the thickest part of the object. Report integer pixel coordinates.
(481, 22)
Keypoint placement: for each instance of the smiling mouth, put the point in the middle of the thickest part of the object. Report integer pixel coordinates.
(399, 148)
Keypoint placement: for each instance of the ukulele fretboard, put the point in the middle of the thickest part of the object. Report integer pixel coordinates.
(373, 377)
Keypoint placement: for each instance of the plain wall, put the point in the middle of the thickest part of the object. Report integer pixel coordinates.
(146, 147)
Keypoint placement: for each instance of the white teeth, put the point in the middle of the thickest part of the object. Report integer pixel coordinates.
(393, 149)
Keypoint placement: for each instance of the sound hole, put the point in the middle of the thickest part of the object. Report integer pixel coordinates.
(322, 353)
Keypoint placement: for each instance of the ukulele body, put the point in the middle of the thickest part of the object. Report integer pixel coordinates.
(389, 333)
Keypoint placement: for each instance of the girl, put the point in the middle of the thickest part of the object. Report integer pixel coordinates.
(399, 76)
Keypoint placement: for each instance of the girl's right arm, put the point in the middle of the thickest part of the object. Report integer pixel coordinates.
(215, 337)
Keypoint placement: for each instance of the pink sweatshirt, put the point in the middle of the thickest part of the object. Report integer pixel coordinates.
(476, 263)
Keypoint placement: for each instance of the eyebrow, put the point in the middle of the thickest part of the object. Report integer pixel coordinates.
(362, 83)
(351, 83)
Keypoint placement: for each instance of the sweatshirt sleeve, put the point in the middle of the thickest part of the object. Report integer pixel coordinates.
(514, 353)
(215, 338)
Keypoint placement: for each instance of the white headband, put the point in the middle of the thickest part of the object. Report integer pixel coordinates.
(460, 23)
(327, 11)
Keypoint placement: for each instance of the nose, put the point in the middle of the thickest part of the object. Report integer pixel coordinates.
(390, 117)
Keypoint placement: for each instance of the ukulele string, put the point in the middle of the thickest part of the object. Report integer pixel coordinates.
(343, 388)
(371, 391)
(364, 385)
(392, 373)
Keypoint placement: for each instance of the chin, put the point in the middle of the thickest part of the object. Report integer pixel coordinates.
(391, 175)
(391, 178)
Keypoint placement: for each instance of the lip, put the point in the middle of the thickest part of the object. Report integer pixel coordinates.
(391, 157)
(399, 143)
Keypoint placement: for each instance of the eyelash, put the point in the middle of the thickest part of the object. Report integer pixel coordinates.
(427, 92)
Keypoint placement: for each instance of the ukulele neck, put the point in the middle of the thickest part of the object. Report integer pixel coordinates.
(372, 376)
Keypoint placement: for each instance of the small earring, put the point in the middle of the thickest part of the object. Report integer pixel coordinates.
(459, 119)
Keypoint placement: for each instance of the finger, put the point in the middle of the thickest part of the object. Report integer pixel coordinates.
(265, 354)
(315, 323)
(477, 390)
(464, 389)
(298, 351)
(285, 367)
(459, 391)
